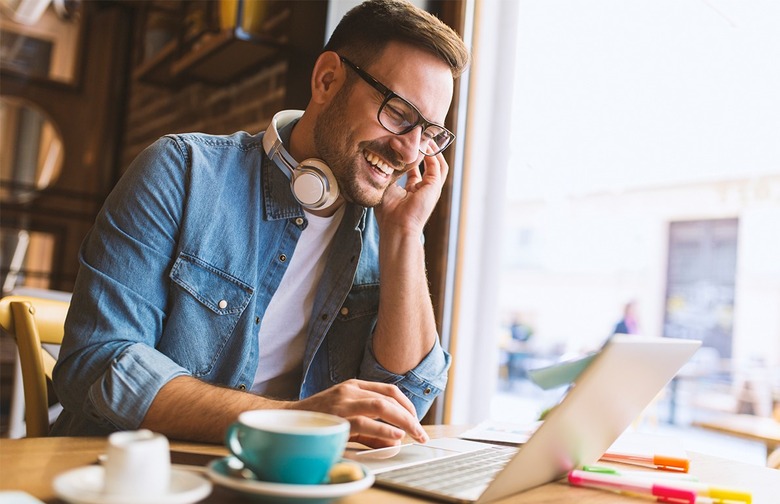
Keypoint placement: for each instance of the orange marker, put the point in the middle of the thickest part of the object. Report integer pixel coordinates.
(657, 461)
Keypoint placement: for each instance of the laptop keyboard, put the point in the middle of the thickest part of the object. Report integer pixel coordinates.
(454, 474)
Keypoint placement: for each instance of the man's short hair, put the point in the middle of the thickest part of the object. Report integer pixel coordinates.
(364, 32)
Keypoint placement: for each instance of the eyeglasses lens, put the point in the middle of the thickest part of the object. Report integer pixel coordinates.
(399, 117)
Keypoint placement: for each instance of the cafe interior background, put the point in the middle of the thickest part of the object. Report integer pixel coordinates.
(608, 152)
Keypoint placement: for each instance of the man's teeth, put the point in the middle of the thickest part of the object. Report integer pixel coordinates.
(378, 163)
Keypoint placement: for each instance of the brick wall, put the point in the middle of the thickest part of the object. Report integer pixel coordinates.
(246, 105)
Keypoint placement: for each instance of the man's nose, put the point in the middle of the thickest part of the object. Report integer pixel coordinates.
(408, 145)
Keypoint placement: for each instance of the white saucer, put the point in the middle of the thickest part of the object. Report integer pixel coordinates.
(222, 471)
(85, 486)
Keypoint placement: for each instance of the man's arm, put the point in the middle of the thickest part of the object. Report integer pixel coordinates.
(187, 408)
(406, 328)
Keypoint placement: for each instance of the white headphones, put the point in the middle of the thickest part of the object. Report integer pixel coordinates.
(311, 181)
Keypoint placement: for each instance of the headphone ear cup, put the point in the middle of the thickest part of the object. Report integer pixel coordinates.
(314, 185)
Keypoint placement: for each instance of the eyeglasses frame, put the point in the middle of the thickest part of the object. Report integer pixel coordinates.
(388, 94)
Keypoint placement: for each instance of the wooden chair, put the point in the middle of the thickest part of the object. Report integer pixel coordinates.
(773, 460)
(34, 321)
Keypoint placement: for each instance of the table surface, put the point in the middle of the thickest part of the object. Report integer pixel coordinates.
(765, 429)
(31, 464)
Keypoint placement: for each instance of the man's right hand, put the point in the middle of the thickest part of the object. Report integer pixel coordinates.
(187, 408)
(379, 413)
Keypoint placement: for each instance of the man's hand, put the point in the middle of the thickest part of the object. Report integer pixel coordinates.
(379, 413)
(410, 207)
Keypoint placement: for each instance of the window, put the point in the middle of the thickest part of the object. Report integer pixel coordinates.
(597, 130)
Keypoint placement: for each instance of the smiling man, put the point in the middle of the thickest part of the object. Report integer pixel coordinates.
(278, 270)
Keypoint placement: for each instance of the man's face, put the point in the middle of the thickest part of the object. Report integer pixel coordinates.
(364, 157)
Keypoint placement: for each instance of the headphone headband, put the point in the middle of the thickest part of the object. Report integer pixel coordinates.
(272, 143)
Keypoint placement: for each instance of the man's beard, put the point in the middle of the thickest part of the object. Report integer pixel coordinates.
(333, 142)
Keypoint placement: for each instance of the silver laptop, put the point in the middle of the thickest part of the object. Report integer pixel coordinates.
(606, 397)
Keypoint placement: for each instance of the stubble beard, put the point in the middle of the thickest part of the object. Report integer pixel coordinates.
(333, 142)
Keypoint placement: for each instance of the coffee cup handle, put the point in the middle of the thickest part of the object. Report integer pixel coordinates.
(232, 442)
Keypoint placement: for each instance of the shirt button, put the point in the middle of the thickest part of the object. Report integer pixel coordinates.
(427, 390)
(324, 316)
(222, 304)
(345, 311)
(242, 387)
(299, 221)
(282, 257)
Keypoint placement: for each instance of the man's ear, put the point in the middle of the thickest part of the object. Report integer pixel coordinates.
(327, 77)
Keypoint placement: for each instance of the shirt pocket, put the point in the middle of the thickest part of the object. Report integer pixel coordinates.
(204, 312)
(350, 331)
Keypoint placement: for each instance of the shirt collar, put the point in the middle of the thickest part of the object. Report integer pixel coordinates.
(279, 200)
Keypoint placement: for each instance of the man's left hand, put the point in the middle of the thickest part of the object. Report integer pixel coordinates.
(409, 208)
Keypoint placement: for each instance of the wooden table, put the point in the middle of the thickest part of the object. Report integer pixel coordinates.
(755, 428)
(31, 464)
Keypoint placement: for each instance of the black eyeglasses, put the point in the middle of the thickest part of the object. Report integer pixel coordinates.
(399, 117)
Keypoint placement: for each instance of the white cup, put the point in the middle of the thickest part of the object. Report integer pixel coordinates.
(138, 464)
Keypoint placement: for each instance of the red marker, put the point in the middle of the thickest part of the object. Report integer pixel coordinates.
(665, 491)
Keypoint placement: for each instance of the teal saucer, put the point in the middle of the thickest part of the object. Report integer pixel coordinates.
(228, 472)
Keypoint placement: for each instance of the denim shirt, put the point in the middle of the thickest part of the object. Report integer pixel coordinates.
(178, 270)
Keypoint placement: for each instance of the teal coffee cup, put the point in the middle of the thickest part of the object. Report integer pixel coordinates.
(288, 446)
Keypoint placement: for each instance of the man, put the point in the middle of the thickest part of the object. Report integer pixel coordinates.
(206, 289)
(629, 323)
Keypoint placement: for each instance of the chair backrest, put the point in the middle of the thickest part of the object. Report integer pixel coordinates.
(34, 321)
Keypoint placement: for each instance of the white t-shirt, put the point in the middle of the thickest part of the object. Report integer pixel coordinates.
(283, 330)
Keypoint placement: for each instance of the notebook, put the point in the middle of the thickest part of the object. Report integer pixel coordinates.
(605, 398)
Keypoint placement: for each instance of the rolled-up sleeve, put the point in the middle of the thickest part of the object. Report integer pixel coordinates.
(126, 391)
(421, 385)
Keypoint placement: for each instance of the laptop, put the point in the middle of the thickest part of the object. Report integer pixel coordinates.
(615, 387)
